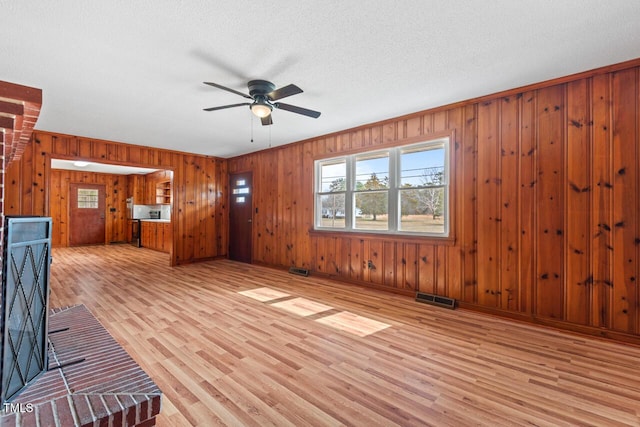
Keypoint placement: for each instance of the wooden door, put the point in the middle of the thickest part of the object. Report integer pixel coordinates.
(86, 214)
(240, 217)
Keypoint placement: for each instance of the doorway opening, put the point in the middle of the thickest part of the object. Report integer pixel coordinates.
(127, 195)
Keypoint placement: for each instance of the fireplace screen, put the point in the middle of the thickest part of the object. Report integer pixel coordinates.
(25, 300)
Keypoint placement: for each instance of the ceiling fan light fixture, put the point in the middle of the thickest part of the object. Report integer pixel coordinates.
(260, 110)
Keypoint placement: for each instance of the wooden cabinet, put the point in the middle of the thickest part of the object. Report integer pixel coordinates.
(136, 188)
(156, 235)
(167, 237)
(149, 192)
(146, 230)
(157, 188)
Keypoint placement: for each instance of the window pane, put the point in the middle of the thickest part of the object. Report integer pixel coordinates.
(333, 177)
(87, 198)
(332, 210)
(372, 173)
(422, 168)
(354, 192)
(421, 210)
(372, 210)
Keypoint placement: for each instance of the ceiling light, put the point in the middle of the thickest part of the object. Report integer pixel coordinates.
(80, 164)
(260, 110)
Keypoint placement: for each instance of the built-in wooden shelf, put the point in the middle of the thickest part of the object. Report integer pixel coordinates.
(163, 192)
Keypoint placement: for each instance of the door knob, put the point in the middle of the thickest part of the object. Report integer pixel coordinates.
(249, 220)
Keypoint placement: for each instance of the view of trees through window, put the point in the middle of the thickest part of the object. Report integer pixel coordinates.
(403, 189)
(372, 192)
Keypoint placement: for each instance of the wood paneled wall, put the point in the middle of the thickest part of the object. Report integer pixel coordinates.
(199, 216)
(545, 205)
(115, 195)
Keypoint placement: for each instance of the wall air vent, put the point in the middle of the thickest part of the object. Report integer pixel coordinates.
(299, 271)
(436, 300)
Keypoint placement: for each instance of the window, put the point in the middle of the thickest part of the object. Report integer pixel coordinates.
(332, 186)
(87, 198)
(399, 190)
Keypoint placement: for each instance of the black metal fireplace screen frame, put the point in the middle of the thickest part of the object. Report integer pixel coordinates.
(25, 303)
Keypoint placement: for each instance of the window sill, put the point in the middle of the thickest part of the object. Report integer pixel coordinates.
(385, 237)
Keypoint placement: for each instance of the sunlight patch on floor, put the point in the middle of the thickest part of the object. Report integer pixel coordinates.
(263, 294)
(344, 321)
(302, 307)
(352, 323)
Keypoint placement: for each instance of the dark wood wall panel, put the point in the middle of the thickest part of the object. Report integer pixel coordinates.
(466, 213)
(545, 201)
(508, 203)
(550, 206)
(578, 202)
(488, 205)
(199, 217)
(601, 281)
(625, 200)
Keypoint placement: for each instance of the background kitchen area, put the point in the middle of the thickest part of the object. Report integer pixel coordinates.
(93, 203)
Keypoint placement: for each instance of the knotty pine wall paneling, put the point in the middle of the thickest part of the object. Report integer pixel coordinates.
(550, 204)
(525, 212)
(624, 228)
(466, 156)
(199, 212)
(600, 279)
(488, 201)
(578, 200)
(545, 203)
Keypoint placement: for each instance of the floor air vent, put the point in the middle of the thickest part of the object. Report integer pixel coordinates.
(436, 300)
(299, 271)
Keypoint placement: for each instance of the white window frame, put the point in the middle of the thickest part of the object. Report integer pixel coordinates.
(394, 189)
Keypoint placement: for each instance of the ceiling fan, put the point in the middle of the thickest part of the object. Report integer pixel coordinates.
(264, 95)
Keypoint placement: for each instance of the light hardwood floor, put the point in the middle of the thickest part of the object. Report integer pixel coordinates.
(222, 357)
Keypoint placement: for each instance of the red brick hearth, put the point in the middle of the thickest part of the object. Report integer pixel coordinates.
(108, 388)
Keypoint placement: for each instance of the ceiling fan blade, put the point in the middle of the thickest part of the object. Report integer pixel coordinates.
(266, 121)
(283, 92)
(226, 106)
(298, 110)
(228, 89)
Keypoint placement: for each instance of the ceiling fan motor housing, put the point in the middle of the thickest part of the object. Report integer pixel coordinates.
(260, 87)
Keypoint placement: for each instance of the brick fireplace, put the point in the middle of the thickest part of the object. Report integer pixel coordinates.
(97, 384)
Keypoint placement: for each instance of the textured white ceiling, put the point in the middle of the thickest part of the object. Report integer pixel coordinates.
(132, 71)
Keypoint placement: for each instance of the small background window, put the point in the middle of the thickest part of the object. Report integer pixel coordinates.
(87, 198)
